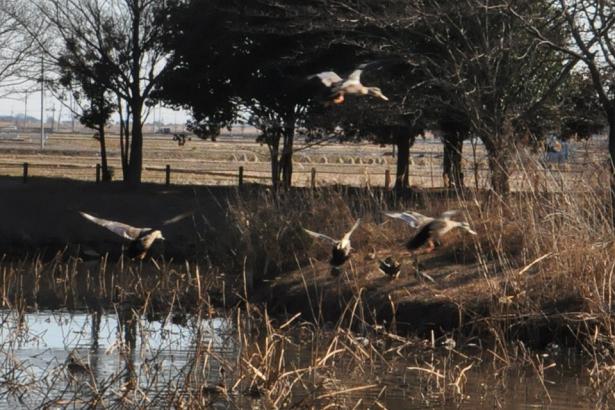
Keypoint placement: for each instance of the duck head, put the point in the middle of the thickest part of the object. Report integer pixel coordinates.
(376, 92)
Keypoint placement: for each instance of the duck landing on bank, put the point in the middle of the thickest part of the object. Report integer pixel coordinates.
(140, 239)
(341, 248)
(429, 233)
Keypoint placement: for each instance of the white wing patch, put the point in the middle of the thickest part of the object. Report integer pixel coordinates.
(345, 242)
(328, 78)
(118, 228)
(321, 236)
(355, 76)
(421, 218)
(178, 218)
(448, 214)
(410, 219)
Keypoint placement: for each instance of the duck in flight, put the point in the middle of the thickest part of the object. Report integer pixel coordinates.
(141, 239)
(339, 87)
(341, 248)
(429, 230)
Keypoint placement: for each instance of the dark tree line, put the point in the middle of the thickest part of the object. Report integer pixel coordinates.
(496, 71)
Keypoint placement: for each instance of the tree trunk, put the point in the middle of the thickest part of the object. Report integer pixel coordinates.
(402, 179)
(286, 161)
(135, 165)
(123, 137)
(611, 122)
(286, 165)
(274, 150)
(106, 175)
(135, 102)
(451, 164)
(499, 163)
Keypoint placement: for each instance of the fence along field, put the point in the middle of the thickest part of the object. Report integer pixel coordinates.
(221, 163)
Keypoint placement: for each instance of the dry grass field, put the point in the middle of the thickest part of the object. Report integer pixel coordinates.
(358, 164)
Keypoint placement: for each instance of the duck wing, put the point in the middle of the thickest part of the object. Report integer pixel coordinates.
(321, 236)
(346, 238)
(410, 219)
(118, 228)
(328, 78)
(178, 218)
(449, 214)
(355, 76)
(420, 217)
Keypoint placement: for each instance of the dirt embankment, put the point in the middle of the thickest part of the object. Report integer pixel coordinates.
(460, 300)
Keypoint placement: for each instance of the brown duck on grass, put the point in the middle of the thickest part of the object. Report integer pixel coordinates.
(341, 247)
(390, 267)
(339, 87)
(141, 239)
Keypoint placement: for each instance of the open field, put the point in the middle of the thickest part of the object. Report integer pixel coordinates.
(217, 163)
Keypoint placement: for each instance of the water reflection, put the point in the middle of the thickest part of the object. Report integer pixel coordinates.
(138, 362)
(117, 349)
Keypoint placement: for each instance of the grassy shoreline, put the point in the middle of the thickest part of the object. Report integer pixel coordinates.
(516, 281)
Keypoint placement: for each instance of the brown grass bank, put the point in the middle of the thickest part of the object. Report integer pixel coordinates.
(540, 269)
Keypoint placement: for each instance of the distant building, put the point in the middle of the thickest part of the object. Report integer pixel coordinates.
(9, 132)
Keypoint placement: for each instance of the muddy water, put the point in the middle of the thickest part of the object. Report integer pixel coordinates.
(35, 349)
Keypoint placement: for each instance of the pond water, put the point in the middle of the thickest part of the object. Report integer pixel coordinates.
(36, 347)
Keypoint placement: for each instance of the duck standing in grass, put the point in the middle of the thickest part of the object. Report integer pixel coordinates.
(338, 87)
(341, 248)
(141, 239)
(389, 267)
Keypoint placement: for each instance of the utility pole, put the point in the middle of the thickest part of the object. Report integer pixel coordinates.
(59, 117)
(25, 110)
(42, 103)
(72, 113)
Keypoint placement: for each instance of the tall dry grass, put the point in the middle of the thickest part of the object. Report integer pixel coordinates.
(543, 258)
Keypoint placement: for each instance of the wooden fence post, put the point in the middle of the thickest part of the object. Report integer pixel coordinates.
(25, 172)
(97, 173)
(313, 179)
(387, 179)
(168, 175)
(241, 175)
(431, 169)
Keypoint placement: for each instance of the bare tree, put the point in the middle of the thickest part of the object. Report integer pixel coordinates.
(123, 36)
(16, 45)
(487, 68)
(590, 25)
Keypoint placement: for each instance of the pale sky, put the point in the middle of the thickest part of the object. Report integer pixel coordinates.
(15, 104)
